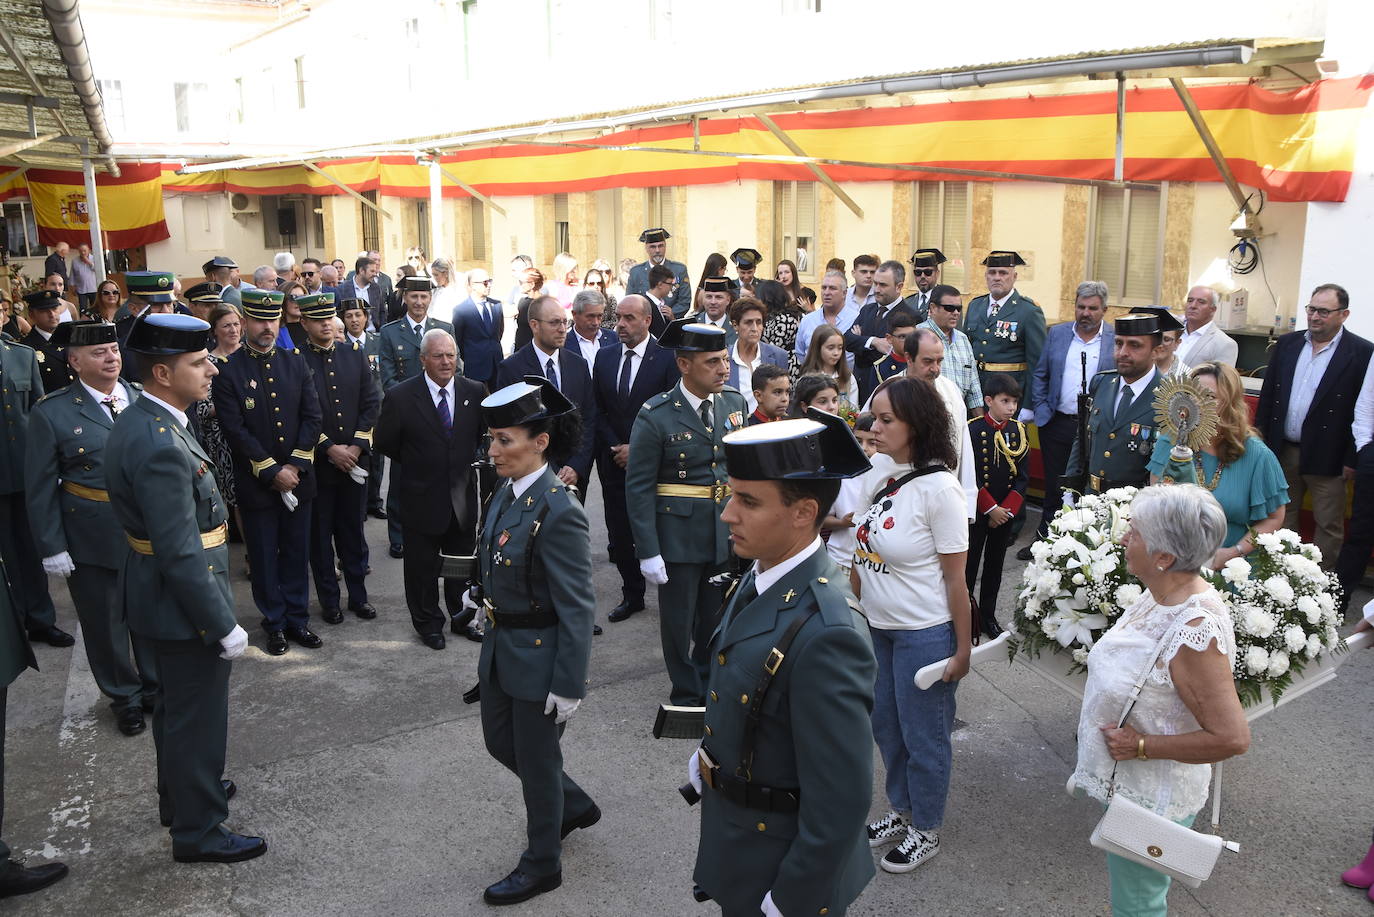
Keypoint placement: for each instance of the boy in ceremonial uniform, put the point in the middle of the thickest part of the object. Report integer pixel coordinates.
(1001, 454)
(901, 321)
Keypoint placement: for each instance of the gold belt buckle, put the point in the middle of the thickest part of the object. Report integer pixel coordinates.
(773, 662)
(1095, 482)
(707, 767)
(719, 491)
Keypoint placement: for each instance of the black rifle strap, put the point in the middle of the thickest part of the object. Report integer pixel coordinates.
(771, 664)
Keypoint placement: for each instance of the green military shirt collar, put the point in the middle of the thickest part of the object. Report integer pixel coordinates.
(178, 414)
(693, 401)
(522, 484)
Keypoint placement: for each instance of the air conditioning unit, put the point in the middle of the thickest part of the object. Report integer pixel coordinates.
(243, 205)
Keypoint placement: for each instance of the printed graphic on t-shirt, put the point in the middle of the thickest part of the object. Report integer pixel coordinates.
(864, 554)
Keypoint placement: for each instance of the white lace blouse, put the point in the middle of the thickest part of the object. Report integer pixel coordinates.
(1169, 788)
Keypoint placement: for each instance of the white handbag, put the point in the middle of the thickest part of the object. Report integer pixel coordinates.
(1135, 833)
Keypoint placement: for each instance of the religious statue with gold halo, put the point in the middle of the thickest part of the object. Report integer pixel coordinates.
(1187, 413)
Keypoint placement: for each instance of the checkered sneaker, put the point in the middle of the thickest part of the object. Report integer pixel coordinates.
(915, 849)
(888, 829)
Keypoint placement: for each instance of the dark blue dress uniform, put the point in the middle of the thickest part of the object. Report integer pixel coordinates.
(533, 559)
(787, 757)
(174, 588)
(270, 414)
(1001, 455)
(349, 402)
(52, 362)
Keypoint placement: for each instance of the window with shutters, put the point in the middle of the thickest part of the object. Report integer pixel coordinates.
(562, 224)
(1126, 246)
(940, 218)
(478, 211)
(21, 230)
(372, 235)
(658, 207)
(794, 226)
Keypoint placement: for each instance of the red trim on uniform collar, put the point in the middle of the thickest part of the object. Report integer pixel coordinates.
(992, 423)
(899, 356)
(762, 418)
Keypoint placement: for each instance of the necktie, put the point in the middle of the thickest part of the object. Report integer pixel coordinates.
(1124, 405)
(486, 315)
(445, 417)
(551, 373)
(925, 303)
(416, 329)
(114, 408)
(623, 388)
(706, 414)
(741, 598)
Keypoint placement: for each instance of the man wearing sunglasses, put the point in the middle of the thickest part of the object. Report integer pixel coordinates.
(925, 272)
(946, 308)
(310, 275)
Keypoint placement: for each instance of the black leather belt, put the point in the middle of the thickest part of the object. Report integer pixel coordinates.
(749, 794)
(541, 619)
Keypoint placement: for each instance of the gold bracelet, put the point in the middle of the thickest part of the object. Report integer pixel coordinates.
(1140, 749)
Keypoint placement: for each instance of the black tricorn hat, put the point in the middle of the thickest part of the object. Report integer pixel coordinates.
(535, 398)
(43, 299)
(1167, 322)
(928, 257)
(209, 291)
(421, 284)
(658, 234)
(718, 284)
(1003, 259)
(1137, 323)
(817, 447)
(167, 333)
(687, 335)
(745, 257)
(84, 333)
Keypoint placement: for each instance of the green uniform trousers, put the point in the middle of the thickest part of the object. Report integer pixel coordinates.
(687, 607)
(95, 593)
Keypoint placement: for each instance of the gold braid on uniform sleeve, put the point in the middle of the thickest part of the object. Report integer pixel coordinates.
(1009, 453)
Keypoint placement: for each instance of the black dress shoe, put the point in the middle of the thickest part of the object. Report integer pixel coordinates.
(131, 721)
(623, 611)
(596, 630)
(585, 820)
(149, 704)
(51, 635)
(456, 622)
(434, 641)
(520, 886)
(991, 629)
(276, 643)
(377, 512)
(1024, 553)
(305, 637)
(472, 633)
(332, 615)
(16, 879)
(235, 848)
(397, 551)
(364, 610)
(230, 788)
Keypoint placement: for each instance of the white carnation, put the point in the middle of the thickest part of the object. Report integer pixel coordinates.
(1080, 656)
(1236, 571)
(1279, 590)
(1278, 663)
(1259, 622)
(1326, 601)
(1040, 550)
(1314, 646)
(1062, 548)
(1032, 610)
(1269, 541)
(1127, 595)
(1294, 638)
(1289, 536)
(1257, 660)
(1310, 609)
(1079, 579)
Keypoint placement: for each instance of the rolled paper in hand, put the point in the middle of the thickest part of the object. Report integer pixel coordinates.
(928, 675)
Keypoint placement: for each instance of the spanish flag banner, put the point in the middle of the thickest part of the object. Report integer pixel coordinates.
(130, 206)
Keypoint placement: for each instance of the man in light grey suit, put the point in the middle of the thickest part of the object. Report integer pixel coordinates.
(1202, 339)
(1056, 381)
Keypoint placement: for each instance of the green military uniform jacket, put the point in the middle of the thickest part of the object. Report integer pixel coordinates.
(675, 482)
(16, 654)
(66, 452)
(20, 388)
(534, 662)
(162, 489)
(399, 349)
(1015, 337)
(814, 735)
(1120, 446)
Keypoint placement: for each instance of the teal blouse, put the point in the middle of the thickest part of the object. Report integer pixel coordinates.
(1251, 487)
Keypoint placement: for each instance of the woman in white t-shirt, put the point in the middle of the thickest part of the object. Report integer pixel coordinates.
(908, 573)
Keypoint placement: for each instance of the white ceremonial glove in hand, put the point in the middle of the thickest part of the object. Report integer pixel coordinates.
(290, 500)
(1026, 415)
(768, 907)
(566, 707)
(234, 643)
(654, 570)
(59, 565)
(1068, 500)
(694, 771)
(358, 473)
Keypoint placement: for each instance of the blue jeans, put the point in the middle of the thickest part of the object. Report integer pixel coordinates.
(912, 726)
(1139, 891)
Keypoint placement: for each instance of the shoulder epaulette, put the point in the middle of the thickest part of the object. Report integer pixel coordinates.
(658, 400)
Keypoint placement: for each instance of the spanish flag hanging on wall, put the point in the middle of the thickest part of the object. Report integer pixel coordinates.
(130, 206)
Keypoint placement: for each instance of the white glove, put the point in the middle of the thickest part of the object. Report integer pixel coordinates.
(290, 500)
(1068, 498)
(654, 570)
(1026, 415)
(694, 772)
(566, 707)
(234, 643)
(59, 565)
(358, 473)
(768, 907)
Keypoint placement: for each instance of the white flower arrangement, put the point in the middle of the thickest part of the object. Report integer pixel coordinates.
(1283, 605)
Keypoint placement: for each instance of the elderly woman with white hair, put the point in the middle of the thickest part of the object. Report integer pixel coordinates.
(1187, 715)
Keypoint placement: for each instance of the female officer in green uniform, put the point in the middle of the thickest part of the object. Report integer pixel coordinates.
(533, 561)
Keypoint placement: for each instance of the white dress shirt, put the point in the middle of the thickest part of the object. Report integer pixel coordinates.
(995, 305)
(1363, 427)
(121, 398)
(635, 364)
(178, 414)
(1191, 339)
(1136, 388)
(525, 482)
(764, 580)
(434, 393)
(1071, 382)
(693, 401)
(746, 374)
(1307, 377)
(588, 348)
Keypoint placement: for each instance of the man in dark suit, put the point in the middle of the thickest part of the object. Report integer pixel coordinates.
(56, 263)
(478, 323)
(626, 376)
(660, 291)
(431, 425)
(1058, 379)
(867, 339)
(354, 316)
(1306, 410)
(586, 336)
(546, 356)
(363, 284)
(43, 306)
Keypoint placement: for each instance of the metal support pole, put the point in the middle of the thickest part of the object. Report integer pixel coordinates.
(471, 190)
(93, 215)
(1119, 171)
(1210, 142)
(344, 188)
(815, 170)
(437, 243)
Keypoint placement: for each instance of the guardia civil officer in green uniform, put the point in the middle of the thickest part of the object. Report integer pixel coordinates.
(21, 385)
(534, 556)
(1007, 330)
(1121, 426)
(785, 768)
(674, 488)
(174, 585)
(925, 273)
(73, 525)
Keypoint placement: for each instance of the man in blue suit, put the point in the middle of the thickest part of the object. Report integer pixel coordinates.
(626, 376)
(656, 246)
(1056, 381)
(546, 356)
(478, 324)
(750, 351)
(586, 336)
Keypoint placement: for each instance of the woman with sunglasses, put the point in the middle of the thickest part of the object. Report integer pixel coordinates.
(106, 301)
